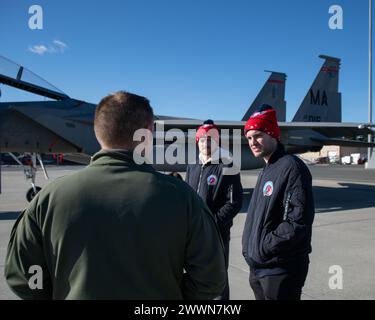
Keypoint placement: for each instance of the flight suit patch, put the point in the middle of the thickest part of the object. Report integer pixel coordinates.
(268, 189)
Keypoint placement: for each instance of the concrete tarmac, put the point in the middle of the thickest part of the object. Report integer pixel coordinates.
(343, 231)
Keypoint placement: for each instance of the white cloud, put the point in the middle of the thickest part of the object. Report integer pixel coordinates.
(61, 45)
(57, 47)
(38, 49)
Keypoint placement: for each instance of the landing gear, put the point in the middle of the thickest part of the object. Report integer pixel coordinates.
(30, 173)
(31, 193)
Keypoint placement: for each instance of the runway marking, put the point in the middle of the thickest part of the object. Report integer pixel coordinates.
(307, 295)
(323, 211)
(319, 179)
(239, 268)
(342, 222)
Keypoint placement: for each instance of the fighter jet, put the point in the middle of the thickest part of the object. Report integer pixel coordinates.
(65, 125)
(316, 123)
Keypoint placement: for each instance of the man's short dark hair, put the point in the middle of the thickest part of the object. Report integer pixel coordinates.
(118, 116)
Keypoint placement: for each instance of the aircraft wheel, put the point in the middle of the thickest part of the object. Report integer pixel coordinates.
(31, 193)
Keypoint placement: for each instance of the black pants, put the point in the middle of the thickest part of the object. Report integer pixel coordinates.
(279, 287)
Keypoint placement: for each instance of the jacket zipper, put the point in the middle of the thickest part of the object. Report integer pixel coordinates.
(200, 178)
(231, 193)
(287, 206)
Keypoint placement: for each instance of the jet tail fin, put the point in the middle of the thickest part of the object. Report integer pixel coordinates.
(272, 93)
(322, 102)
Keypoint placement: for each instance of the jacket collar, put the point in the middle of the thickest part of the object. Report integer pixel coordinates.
(279, 152)
(117, 157)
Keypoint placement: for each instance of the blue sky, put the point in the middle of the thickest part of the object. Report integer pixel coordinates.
(198, 58)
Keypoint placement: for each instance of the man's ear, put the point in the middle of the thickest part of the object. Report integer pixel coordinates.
(151, 126)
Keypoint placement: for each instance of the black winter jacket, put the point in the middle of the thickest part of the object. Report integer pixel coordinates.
(277, 232)
(222, 193)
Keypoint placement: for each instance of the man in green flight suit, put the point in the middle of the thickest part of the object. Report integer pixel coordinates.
(116, 229)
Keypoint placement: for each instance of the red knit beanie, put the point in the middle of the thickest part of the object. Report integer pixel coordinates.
(264, 120)
(208, 126)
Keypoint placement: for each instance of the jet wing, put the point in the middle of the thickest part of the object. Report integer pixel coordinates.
(344, 142)
(329, 129)
(185, 124)
(328, 133)
(62, 121)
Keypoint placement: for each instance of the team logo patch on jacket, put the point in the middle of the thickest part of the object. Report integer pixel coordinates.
(268, 189)
(212, 180)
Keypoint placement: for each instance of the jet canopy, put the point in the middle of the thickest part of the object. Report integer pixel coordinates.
(14, 75)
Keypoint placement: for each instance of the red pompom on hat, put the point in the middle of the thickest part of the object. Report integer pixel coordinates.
(264, 120)
(208, 126)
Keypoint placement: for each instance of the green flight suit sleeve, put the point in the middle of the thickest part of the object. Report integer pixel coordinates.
(204, 256)
(25, 267)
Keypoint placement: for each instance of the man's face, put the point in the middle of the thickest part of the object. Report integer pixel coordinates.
(207, 145)
(261, 144)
